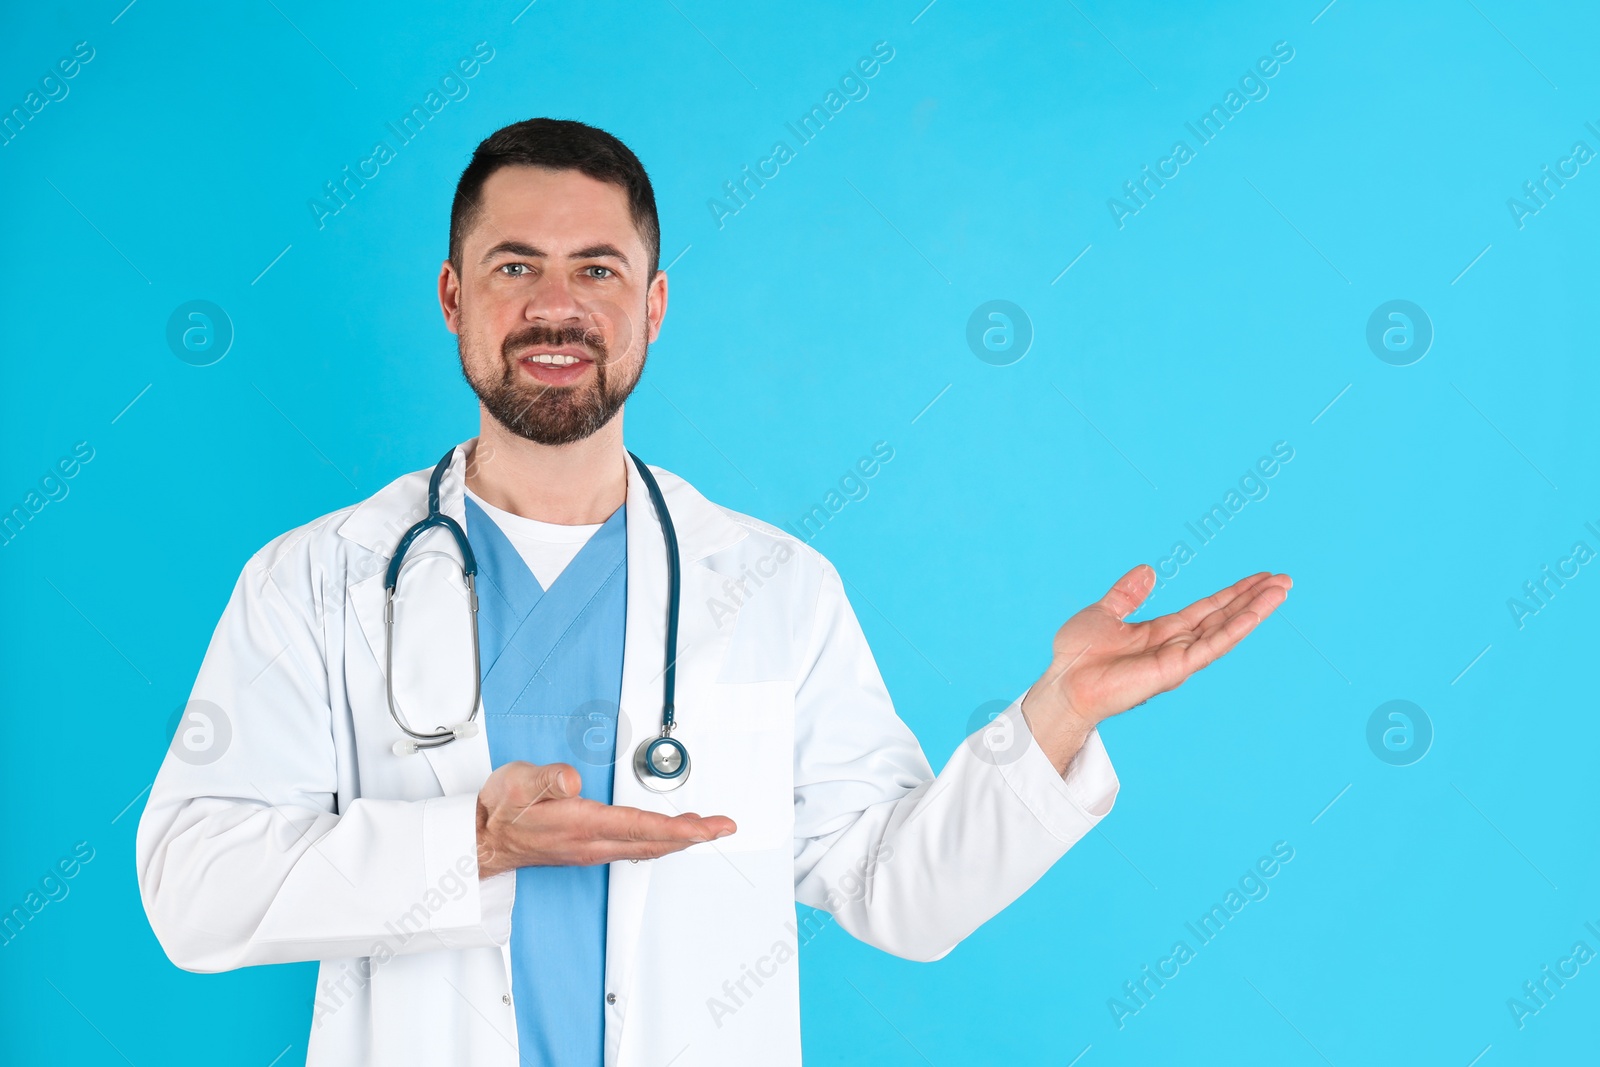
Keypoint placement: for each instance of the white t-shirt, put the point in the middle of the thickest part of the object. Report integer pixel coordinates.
(546, 547)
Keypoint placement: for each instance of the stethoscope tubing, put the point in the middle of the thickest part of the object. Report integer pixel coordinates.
(670, 535)
(643, 764)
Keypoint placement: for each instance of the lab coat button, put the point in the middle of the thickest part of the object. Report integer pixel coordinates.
(611, 998)
(505, 998)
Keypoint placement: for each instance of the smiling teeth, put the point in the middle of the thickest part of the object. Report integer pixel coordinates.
(551, 359)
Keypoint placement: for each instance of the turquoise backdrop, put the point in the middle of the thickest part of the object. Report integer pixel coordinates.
(1369, 269)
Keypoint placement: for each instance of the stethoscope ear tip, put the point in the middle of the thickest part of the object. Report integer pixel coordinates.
(407, 746)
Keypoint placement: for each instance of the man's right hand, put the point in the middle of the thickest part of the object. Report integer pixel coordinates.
(530, 815)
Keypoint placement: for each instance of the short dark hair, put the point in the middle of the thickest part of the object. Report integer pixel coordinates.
(559, 144)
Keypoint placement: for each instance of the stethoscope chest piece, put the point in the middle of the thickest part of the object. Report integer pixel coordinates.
(661, 763)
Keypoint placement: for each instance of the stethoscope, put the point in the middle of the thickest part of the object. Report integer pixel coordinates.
(661, 762)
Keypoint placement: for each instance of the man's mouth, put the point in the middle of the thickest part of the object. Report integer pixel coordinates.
(556, 366)
(560, 357)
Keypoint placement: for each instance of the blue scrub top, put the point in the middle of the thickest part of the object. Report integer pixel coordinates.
(552, 683)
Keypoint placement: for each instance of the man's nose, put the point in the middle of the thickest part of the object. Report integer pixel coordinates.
(552, 299)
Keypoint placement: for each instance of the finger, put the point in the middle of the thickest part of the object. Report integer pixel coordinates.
(1221, 641)
(712, 828)
(1191, 617)
(548, 783)
(1129, 591)
(694, 829)
(636, 824)
(1221, 598)
(556, 781)
(591, 853)
(605, 850)
(632, 824)
(1239, 603)
(611, 851)
(720, 825)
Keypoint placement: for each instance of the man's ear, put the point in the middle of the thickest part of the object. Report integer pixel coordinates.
(655, 303)
(450, 296)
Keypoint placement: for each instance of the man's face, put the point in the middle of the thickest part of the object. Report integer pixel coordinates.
(552, 308)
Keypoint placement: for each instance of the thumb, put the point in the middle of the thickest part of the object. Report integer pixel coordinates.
(558, 781)
(1130, 591)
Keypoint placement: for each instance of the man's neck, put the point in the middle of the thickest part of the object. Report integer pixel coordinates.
(573, 485)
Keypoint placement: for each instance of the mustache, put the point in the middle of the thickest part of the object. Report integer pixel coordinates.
(555, 337)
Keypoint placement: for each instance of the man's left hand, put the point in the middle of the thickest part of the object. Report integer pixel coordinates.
(1103, 665)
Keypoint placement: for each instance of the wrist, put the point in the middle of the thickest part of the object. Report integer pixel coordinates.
(487, 853)
(1058, 729)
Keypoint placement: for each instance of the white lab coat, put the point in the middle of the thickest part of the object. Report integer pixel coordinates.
(309, 839)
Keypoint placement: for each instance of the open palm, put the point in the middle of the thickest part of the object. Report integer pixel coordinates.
(1102, 664)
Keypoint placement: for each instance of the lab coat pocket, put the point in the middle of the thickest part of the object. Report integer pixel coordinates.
(741, 742)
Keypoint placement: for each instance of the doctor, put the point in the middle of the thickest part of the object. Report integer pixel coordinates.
(498, 880)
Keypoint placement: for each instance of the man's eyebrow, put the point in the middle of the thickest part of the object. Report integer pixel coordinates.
(517, 248)
(600, 251)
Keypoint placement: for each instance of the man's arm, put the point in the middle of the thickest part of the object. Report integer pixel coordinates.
(911, 863)
(243, 859)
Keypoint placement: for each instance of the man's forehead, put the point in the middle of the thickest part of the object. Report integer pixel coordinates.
(555, 205)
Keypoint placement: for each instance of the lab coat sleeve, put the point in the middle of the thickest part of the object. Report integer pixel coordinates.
(243, 857)
(903, 860)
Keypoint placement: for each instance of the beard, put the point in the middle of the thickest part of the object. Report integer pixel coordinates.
(552, 414)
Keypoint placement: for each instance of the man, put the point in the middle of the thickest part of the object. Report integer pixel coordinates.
(524, 892)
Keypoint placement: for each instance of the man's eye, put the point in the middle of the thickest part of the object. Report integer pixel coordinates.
(514, 270)
(604, 272)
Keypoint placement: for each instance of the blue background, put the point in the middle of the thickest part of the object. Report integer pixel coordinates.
(826, 315)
